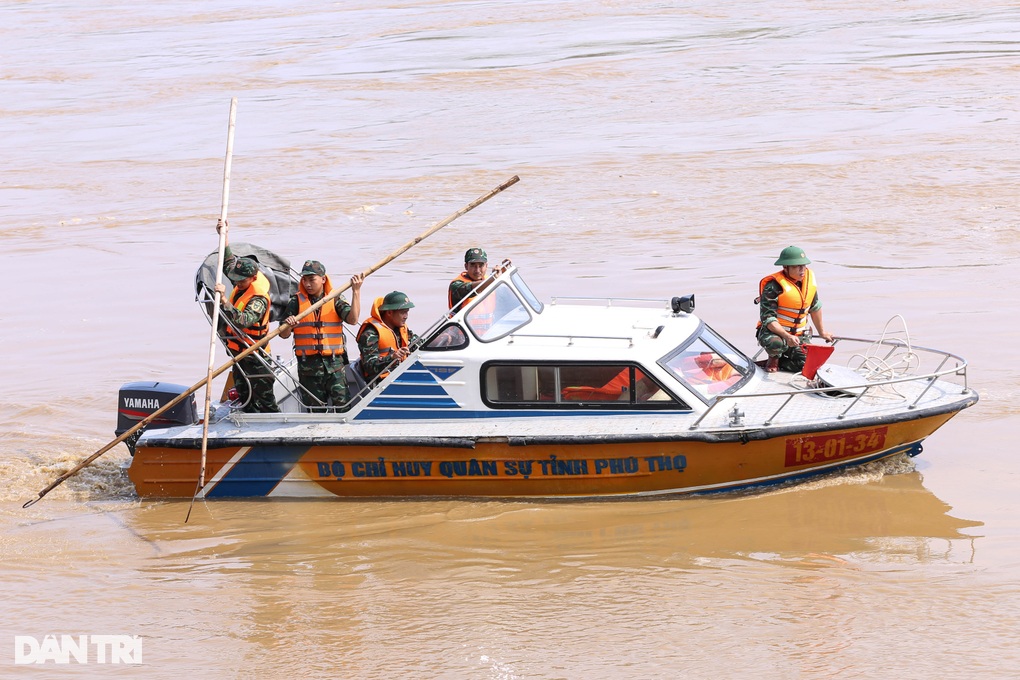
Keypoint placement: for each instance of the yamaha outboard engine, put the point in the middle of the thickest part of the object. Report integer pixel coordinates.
(138, 400)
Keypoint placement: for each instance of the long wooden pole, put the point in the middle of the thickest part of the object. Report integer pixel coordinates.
(216, 298)
(194, 388)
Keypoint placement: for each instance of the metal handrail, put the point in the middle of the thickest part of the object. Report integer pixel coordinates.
(570, 338)
(959, 368)
(276, 367)
(608, 300)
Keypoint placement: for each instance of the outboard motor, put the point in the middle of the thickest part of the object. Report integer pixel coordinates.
(138, 400)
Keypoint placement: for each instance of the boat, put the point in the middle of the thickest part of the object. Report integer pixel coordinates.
(512, 396)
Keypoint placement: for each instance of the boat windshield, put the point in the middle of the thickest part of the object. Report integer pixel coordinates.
(708, 364)
(497, 314)
(522, 287)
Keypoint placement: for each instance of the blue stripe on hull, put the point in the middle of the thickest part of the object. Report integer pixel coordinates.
(415, 372)
(398, 402)
(414, 389)
(258, 472)
(443, 372)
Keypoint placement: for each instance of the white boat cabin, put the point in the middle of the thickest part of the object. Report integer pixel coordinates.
(506, 353)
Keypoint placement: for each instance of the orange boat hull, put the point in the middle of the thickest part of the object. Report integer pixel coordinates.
(502, 469)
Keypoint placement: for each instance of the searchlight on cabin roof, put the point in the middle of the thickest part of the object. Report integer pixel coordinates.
(683, 303)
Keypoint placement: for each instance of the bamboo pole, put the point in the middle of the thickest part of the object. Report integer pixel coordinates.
(194, 388)
(222, 231)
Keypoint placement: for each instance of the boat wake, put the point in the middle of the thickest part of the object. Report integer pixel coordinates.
(867, 473)
(29, 462)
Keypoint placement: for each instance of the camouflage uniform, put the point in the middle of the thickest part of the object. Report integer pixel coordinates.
(460, 290)
(371, 363)
(252, 379)
(368, 343)
(322, 376)
(791, 359)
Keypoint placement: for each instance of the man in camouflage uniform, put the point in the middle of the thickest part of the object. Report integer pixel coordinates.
(476, 264)
(384, 336)
(252, 379)
(319, 338)
(785, 300)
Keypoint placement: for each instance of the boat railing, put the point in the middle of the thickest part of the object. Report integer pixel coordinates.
(273, 366)
(948, 364)
(629, 339)
(284, 372)
(610, 301)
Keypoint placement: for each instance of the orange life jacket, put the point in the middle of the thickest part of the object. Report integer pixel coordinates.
(240, 299)
(388, 340)
(794, 301)
(321, 332)
(611, 391)
(482, 315)
(708, 369)
(463, 278)
(713, 367)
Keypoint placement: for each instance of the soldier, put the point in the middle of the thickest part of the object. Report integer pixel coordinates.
(786, 299)
(319, 337)
(248, 310)
(476, 264)
(385, 336)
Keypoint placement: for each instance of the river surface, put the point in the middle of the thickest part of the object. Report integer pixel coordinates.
(663, 149)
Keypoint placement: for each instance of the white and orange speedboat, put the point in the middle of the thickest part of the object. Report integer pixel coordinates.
(512, 396)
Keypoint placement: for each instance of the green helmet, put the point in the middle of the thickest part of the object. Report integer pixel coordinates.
(792, 255)
(395, 300)
(242, 268)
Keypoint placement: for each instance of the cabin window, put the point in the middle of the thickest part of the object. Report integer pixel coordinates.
(497, 314)
(451, 337)
(573, 385)
(708, 365)
(529, 297)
